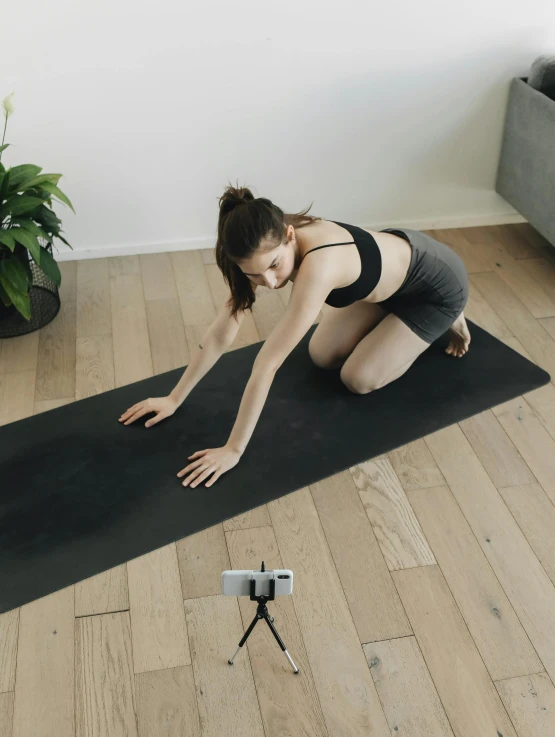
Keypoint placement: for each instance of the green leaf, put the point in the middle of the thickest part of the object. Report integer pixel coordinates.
(14, 271)
(27, 266)
(4, 186)
(42, 194)
(40, 191)
(28, 240)
(53, 178)
(4, 296)
(21, 301)
(2, 168)
(19, 174)
(4, 147)
(48, 219)
(36, 192)
(50, 267)
(7, 240)
(32, 228)
(53, 189)
(64, 240)
(18, 205)
(24, 203)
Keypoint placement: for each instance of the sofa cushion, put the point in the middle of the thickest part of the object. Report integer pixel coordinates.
(542, 75)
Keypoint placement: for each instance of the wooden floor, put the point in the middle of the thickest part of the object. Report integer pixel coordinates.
(424, 601)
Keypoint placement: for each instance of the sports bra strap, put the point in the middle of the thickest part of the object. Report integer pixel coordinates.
(345, 243)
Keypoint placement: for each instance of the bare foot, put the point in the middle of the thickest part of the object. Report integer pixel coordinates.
(460, 337)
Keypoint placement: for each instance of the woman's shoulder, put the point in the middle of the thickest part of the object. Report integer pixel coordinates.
(323, 233)
(341, 263)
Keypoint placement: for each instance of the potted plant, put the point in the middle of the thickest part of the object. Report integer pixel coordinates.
(28, 226)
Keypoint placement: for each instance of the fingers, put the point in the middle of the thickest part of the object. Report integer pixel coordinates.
(190, 466)
(140, 409)
(201, 472)
(131, 410)
(135, 406)
(138, 413)
(214, 477)
(154, 420)
(193, 475)
(206, 473)
(200, 469)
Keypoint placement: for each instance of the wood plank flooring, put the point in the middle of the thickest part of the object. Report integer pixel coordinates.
(424, 600)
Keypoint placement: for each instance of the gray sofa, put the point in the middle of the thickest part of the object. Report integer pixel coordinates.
(526, 172)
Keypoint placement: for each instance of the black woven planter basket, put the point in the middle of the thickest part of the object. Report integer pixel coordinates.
(45, 304)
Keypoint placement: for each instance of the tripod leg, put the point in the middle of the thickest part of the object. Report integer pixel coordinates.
(280, 642)
(244, 638)
(292, 663)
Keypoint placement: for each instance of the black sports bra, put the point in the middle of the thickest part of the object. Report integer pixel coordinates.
(370, 267)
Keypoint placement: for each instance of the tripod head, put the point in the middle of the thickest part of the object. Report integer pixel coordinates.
(263, 598)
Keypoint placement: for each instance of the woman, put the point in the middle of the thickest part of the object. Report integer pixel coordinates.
(385, 297)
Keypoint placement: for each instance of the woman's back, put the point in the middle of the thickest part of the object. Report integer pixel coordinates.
(387, 271)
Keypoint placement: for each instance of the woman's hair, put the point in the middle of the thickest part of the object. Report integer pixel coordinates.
(244, 222)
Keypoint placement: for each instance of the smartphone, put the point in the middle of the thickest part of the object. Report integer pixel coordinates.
(238, 583)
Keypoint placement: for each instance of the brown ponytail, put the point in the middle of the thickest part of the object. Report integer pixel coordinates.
(242, 225)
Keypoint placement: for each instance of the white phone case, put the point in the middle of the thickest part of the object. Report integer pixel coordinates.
(238, 583)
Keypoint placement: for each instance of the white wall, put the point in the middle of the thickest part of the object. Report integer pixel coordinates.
(382, 114)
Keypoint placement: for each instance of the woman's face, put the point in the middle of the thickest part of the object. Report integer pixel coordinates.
(273, 268)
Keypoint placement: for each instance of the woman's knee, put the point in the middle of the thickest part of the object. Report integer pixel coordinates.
(364, 381)
(356, 382)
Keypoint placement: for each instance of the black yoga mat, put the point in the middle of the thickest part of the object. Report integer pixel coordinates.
(81, 493)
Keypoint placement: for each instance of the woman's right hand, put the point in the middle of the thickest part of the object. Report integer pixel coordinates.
(163, 406)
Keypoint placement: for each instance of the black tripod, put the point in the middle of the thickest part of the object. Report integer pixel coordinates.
(262, 613)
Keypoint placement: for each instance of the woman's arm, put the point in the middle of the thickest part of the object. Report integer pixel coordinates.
(220, 335)
(252, 404)
(310, 289)
(312, 285)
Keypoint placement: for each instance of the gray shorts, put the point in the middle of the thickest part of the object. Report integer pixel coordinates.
(435, 289)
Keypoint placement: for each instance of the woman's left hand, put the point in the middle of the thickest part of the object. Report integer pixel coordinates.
(212, 460)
